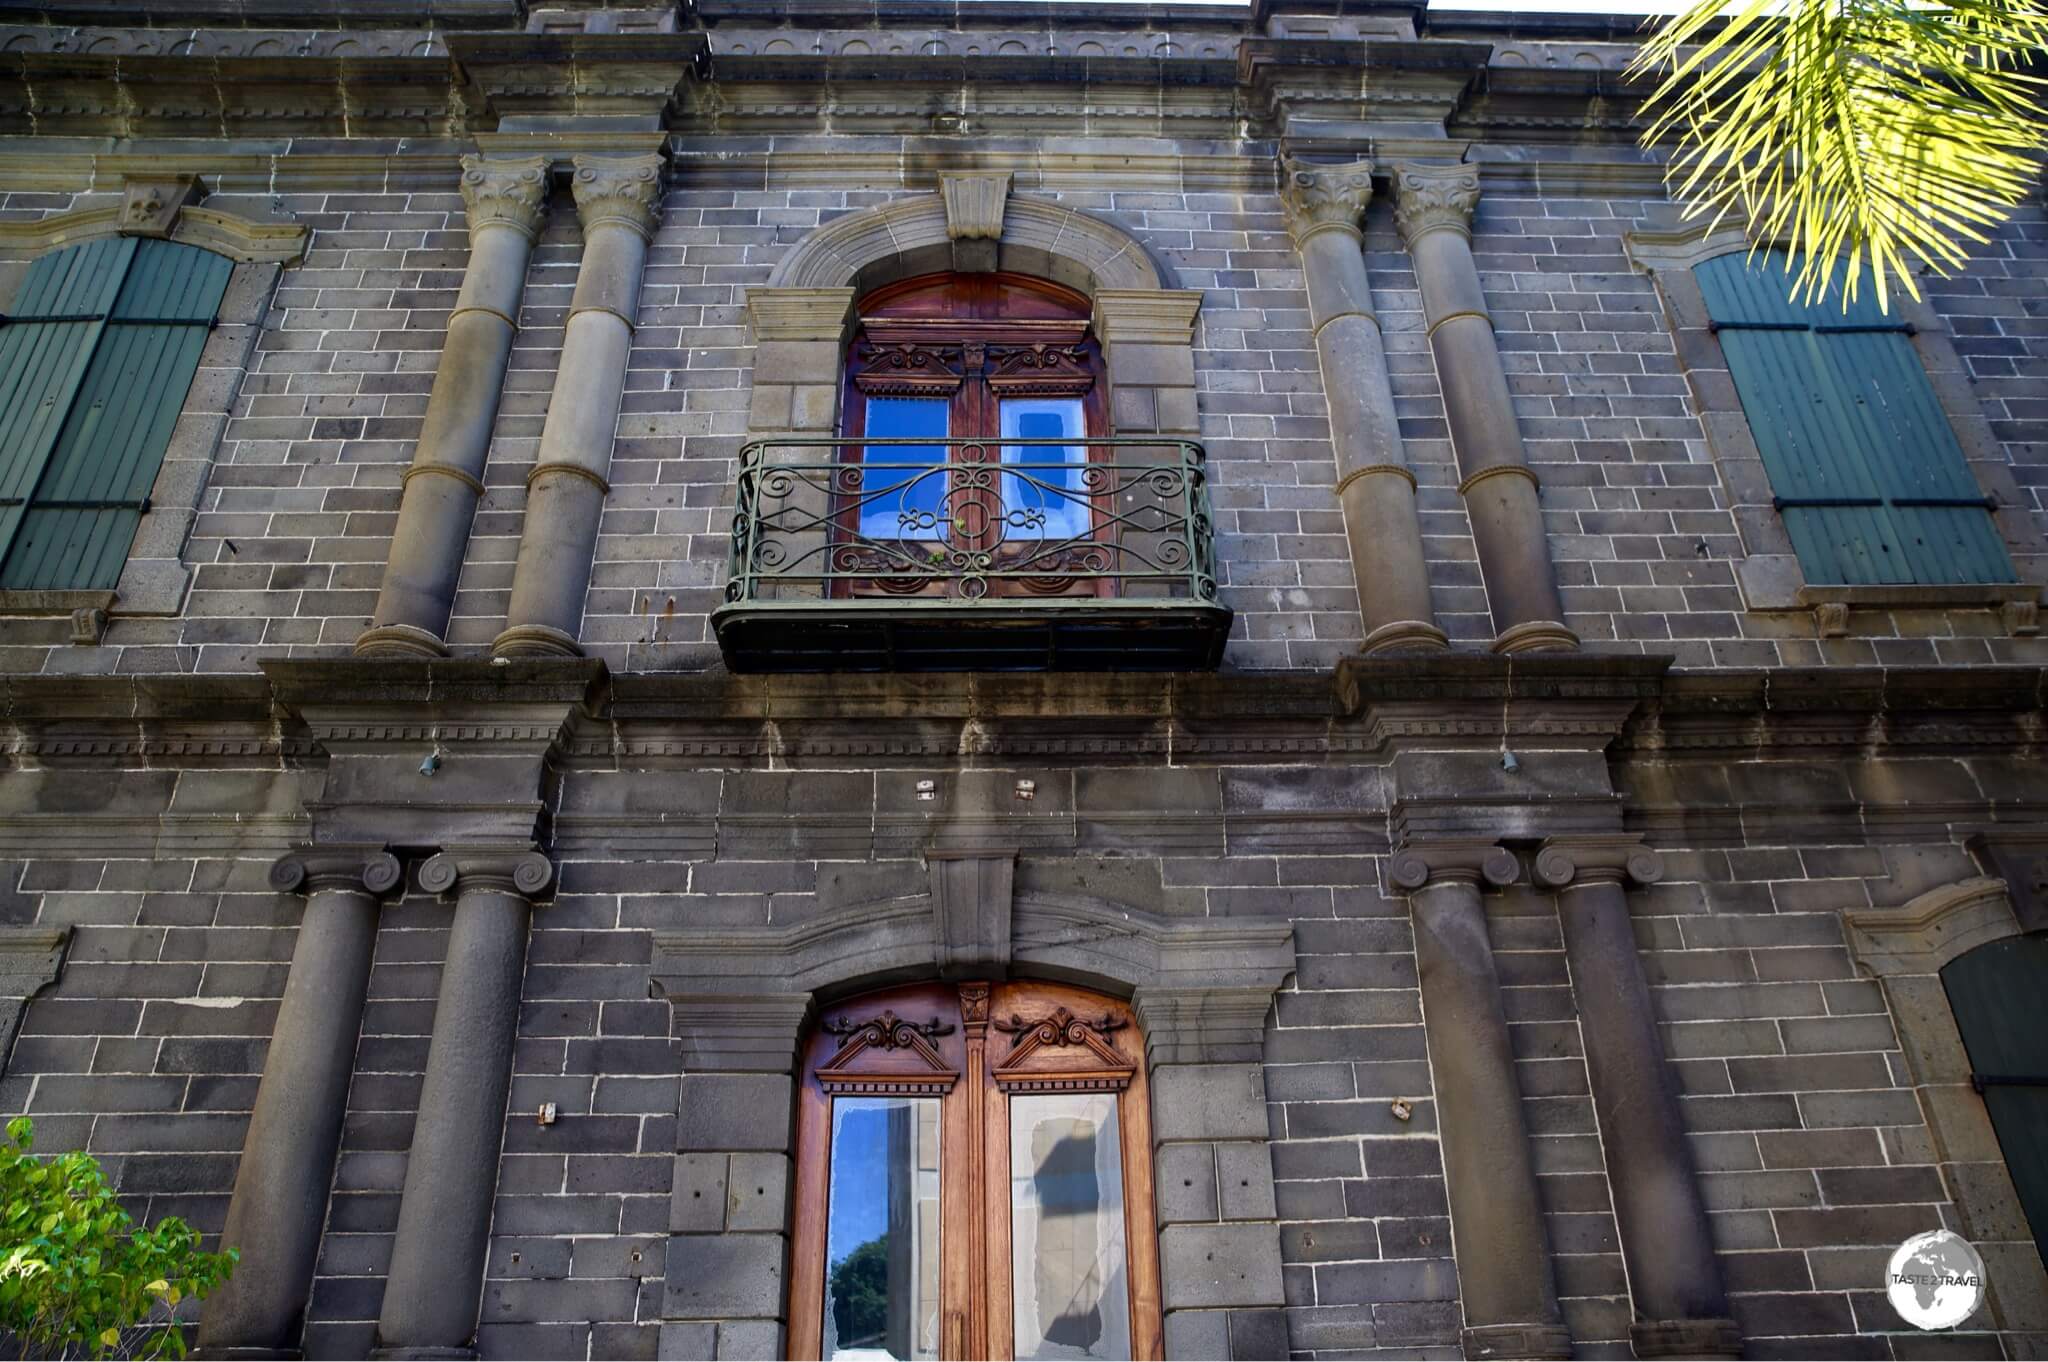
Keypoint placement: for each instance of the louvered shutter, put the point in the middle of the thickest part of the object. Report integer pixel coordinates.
(129, 320)
(1867, 472)
(1996, 994)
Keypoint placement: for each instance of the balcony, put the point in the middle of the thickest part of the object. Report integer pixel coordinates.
(971, 555)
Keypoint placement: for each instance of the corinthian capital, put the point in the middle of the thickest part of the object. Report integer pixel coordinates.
(623, 191)
(505, 193)
(1317, 197)
(1427, 198)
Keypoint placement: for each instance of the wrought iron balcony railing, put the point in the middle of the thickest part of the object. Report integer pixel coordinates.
(953, 554)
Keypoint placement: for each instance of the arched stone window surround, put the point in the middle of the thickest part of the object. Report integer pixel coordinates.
(740, 1000)
(155, 578)
(802, 316)
(1769, 574)
(1904, 949)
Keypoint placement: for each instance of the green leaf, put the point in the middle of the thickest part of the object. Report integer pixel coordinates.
(1886, 131)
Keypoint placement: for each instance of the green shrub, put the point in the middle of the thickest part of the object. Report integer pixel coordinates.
(76, 1277)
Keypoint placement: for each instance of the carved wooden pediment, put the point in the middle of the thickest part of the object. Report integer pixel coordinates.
(1061, 1052)
(908, 370)
(887, 1056)
(1039, 370)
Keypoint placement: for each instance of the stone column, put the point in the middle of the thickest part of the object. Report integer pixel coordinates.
(279, 1207)
(1504, 1273)
(505, 201)
(1219, 1245)
(432, 1290)
(1375, 487)
(1674, 1279)
(726, 1293)
(618, 199)
(1434, 212)
(1148, 349)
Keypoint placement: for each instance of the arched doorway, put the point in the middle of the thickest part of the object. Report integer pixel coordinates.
(974, 1178)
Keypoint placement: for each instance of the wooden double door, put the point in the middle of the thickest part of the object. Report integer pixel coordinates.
(974, 1179)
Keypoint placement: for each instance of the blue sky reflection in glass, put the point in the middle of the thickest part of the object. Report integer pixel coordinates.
(904, 486)
(1056, 487)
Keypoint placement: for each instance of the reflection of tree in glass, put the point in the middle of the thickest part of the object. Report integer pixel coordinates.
(860, 1295)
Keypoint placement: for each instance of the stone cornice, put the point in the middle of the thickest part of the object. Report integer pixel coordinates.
(505, 192)
(1319, 197)
(1433, 198)
(618, 191)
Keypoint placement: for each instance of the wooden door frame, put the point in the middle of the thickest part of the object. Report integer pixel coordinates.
(975, 1320)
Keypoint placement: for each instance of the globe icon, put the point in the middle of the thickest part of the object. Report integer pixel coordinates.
(1935, 1280)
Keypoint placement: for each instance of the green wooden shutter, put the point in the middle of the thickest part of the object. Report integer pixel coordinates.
(1868, 473)
(141, 310)
(1996, 992)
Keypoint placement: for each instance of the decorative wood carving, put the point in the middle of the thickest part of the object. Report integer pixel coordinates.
(908, 370)
(1061, 1052)
(1039, 370)
(887, 1056)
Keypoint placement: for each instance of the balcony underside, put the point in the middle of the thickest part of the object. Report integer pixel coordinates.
(1006, 635)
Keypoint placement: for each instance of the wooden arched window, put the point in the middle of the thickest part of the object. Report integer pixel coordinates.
(974, 1179)
(1000, 372)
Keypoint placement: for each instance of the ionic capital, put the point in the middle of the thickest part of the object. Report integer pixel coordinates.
(1562, 862)
(1430, 198)
(364, 867)
(1452, 860)
(504, 869)
(505, 193)
(1319, 197)
(621, 191)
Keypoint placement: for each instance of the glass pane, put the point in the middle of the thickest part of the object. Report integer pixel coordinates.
(904, 486)
(1067, 1227)
(882, 1229)
(1047, 498)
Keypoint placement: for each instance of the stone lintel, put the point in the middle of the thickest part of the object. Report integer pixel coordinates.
(1585, 858)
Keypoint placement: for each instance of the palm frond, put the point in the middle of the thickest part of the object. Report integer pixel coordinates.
(1868, 132)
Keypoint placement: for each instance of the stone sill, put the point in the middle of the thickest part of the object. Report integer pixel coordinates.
(1984, 595)
(53, 602)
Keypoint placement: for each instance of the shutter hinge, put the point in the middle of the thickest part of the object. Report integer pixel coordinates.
(1816, 503)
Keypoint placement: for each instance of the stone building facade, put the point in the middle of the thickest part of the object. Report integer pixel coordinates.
(1537, 903)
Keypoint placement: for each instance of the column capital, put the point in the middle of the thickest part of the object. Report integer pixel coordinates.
(505, 192)
(1457, 860)
(1428, 198)
(364, 866)
(505, 868)
(622, 191)
(1319, 197)
(1602, 858)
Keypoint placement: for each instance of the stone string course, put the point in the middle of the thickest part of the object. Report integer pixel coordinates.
(294, 526)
